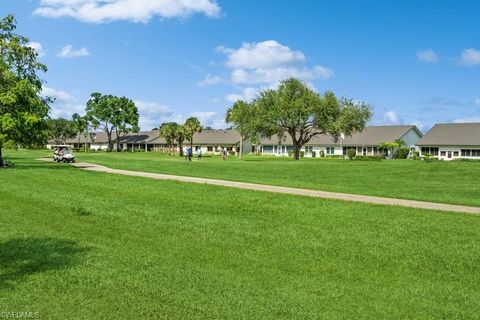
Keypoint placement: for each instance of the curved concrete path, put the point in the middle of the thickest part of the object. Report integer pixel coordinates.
(287, 190)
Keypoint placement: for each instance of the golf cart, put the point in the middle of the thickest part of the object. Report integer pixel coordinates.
(61, 153)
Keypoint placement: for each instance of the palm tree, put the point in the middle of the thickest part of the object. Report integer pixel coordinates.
(192, 125)
(180, 135)
(168, 131)
(241, 115)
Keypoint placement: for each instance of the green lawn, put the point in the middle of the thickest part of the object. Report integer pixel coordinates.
(441, 181)
(83, 245)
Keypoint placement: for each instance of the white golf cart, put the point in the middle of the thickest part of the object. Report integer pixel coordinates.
(62, 153)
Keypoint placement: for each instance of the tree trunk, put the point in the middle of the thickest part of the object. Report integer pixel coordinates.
(1, 158)
(109, 137)
(241, 147)
(191, 143)
(296, 150)
(118, 140)
(180, 147)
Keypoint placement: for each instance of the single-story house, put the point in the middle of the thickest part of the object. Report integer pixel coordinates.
(210, 141)
(365, 142)
(448, 141)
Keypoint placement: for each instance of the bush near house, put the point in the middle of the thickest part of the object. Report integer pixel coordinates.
(403, 152)
(351, 153)
(314, 154)
(416, 155)
(302, 154)
(322, 154)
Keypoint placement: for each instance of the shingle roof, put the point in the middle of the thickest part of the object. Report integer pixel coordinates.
(214, 137)
(452, 134)
(371, 136)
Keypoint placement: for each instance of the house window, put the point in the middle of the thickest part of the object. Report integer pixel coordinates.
(443, 153)
(455, 153)
(267, 149)
(430, 150)
(210, 148)
(375, 150)
(308, 149)
(330, 150)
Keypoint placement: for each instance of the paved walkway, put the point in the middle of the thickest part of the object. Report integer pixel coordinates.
(287, 190)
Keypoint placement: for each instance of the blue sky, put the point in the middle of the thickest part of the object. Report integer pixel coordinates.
(415, 62)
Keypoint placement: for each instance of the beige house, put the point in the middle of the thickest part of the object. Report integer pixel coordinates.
(449, 141)
(365, 142)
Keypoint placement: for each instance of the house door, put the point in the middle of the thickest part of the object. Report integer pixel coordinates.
(449, 154)
(364, 151)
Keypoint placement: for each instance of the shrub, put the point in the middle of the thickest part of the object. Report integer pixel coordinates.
(302, 154)
(314, 154)
(368, 158)
(351, 153)
(322, 154)
(231, 152)
(403, 152)
(335, 156)
(290, 153)
(416, 155)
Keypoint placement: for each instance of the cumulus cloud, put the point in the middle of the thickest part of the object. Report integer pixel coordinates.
(470, 57)
(37, 46)
(269, 62)
(69, 52)
(248, 94)
(58, 95)
(477, 102)
(427, 56)
(209, 80)
(66, 110)
(104, 11)
(210, 119)
(264, 54)
(392, 117)
(153, 114)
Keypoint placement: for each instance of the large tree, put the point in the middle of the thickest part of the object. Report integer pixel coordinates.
(300, 112)
(60, 130)
(242, 115)
(112, 114)
(23, 112)
(82, 127)
(168, 131)
(192, 125)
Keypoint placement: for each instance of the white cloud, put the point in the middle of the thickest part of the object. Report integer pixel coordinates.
(248, 95)
(66, 110)
(477, 102)
(210, 119)
(264, 54)
(269, 62)
(58, 95)
(153, 114)
(69, 52)
(427, 56)
(37, 46)
(467, 120)
(392, 117)
(209, 80)
(272, 75)
(470, 57)
(103, 11)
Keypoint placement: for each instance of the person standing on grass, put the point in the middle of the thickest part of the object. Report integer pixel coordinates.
(190, 153)
(224, 151)
(199, 153)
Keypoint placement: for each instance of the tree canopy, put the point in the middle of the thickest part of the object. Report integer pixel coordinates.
(112, 114)
(168, 131)
(192, 125)
(242, 115)
(60, 130)
(23, 112)
(300, 112)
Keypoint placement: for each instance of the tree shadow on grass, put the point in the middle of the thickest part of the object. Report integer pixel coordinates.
(22, 257)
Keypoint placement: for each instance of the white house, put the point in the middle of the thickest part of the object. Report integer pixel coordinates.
(449, 141)
(365, 142)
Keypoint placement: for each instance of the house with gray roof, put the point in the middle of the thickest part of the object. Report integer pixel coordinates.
(365, 142)
(448, 141)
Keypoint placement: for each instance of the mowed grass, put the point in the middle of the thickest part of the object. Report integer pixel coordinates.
(85, 245)
(440, 181)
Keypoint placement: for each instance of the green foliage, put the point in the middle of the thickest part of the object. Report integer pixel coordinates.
(192, 125)
(302, 154)
(302, 113)
(168, 131)
(60, 130)
(368, 158)
(402, 153)
(322, 154)
(351, 154)
(112, 114)
(314, 154)
(416, 155)
(23, 112)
